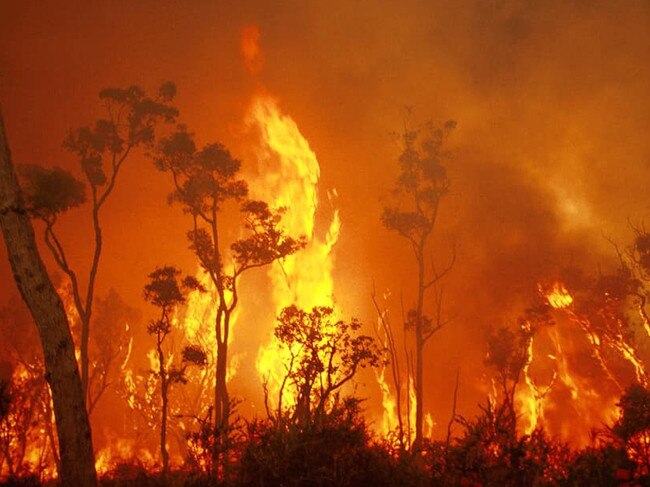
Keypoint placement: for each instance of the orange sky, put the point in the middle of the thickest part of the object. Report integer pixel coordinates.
(552, 149)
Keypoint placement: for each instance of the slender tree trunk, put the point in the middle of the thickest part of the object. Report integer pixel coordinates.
(87, 311)
(164, 393)
(163, 432)
(221, 409)
(83, 358)
(419, 349)
(73, 427)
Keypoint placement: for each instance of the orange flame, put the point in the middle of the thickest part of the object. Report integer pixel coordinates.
(558, 296)
(290, 181)
(389, 421)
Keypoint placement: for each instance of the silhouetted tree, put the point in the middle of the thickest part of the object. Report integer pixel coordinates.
(608, 307)
(324, 355)
(204, 181)
(507, 355)
(633, 278)
(420, 187)
(165, 292)
(102, 149)
(62, 374)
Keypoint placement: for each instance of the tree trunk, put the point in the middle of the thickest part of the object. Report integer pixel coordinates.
(73, 427)
(419, 352)
(221, 411)
(87, 311)
(164, 391)
(419, 389)
(163, 433)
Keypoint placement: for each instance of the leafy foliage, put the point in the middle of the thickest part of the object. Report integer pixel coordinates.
(205, 179)
(324, 355)
(507, 352)
(421, 183)
(132, 117)
(49, 192)
(163, 289)
(635, 409)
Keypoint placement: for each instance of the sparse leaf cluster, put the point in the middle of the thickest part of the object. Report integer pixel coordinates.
(324, 355)
(131, 118)
(205, 180)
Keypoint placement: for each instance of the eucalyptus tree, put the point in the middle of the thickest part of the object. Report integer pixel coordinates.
(323, 355)
(166, 293)
(102, 149)
(413, 213)
(206, 182)
(38, 292)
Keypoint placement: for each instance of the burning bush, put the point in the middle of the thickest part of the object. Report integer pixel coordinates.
(336, 451)
(490, 452)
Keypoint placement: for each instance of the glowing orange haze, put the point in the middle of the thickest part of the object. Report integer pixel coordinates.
(533, 189)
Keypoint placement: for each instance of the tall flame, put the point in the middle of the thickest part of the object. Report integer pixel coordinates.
(289, 179)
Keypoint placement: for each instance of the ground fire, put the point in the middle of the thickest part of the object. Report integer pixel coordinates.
(332, 244)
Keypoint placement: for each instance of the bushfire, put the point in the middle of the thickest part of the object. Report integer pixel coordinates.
(243, 287)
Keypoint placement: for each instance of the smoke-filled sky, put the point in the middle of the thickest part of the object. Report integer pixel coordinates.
(552, 101)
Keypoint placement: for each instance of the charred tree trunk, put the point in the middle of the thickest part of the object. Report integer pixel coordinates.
(73, 427)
